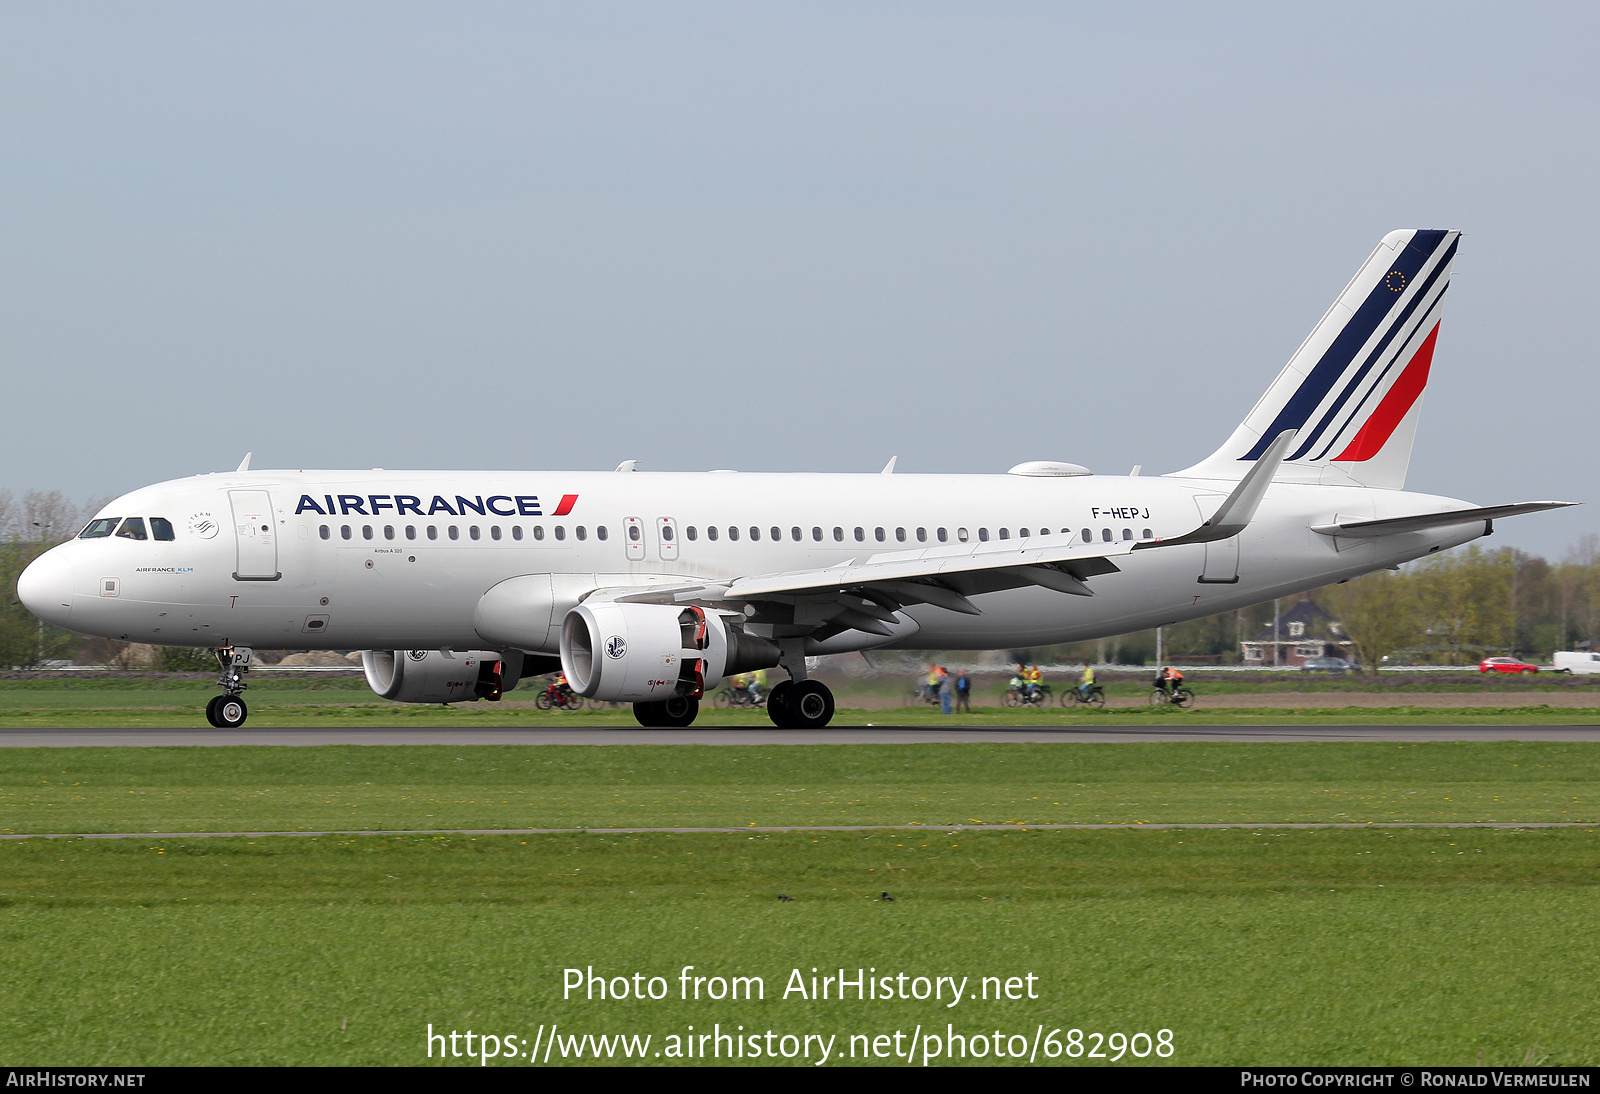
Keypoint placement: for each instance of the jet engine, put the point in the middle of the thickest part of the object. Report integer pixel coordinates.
(641, 653)
(441, 676)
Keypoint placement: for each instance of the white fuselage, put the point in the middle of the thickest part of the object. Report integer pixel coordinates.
(400, 570)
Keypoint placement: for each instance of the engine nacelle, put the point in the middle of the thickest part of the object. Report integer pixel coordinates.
(441, 676)
(640, 653)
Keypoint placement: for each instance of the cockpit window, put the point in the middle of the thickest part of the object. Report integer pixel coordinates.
(161, 528)
(99, 528)
(132, 528)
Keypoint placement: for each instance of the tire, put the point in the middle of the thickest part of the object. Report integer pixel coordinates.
(542, 702)
(1157, 697)
(1011, 698)
(722, 700)
(211, 711)
(778, 703)
(1045, 694)
(575, 702)
(1097, 696)
(1527, 672)
(1183, 698)
(810, 705)
(679, 712)
(231, 712)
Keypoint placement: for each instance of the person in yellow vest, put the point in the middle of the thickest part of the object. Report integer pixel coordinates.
(757, 682)
(1086, 682)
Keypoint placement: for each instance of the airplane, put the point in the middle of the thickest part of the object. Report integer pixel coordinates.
(647, 588)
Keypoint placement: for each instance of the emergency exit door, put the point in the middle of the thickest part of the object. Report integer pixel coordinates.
(256, 533)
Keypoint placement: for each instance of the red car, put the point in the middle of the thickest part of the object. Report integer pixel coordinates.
(1506, 664)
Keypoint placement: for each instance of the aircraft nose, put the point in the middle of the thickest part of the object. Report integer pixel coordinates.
(45, 587)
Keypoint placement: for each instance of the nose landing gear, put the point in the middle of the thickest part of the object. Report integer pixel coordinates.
(228, 710)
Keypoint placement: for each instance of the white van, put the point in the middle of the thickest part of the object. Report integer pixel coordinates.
(1582, 664)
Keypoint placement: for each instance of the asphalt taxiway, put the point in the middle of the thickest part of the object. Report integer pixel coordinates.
(621, 735)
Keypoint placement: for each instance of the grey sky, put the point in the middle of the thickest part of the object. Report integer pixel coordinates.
(776, 237)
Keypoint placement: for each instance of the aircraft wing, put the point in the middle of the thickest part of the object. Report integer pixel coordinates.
(1393, 526)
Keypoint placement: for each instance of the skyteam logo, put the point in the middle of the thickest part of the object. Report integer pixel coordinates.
(616, 646)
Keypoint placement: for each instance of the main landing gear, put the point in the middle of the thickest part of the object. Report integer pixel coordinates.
(679, 712)
(228, 710)
(800, 704)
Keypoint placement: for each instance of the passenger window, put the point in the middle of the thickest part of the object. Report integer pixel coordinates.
(691, 532)
(1105, 535)
(943, 535)
(1147, 534)
(453, 532)
(538, 531)
(1088, 536)
(344, 531)
(961, 534)
(494, 531)
(324, 532)
(366, 531)
(633, 533)
(161, 528)
(900, 535)
(1127, 533)
(711, 532)
(861, 535)
(794, 534)
(99, 529)
(473, 531)
(583, 533)
(411, 531)
(1022, 533)
(433, 532)
(1005, 533)
(516, 531)
(132, 528)
(755, 534)
(816, 534)
(561, 531)
(983, 535)
(838, 535)
(922, 535)
(733, 533)
(879, 535)
(600, 532)
(388, 531)
(777, 534)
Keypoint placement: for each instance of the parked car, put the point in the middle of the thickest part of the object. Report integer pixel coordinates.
(1327, 664)
(1579, 662)
(1507, 664)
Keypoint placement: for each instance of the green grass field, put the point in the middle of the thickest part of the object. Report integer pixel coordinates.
(1253, 946)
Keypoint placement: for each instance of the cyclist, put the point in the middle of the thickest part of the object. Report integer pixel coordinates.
(1032, 678)
(758, 680)
(935, 677)
(562, 689)
(1086, 683)
(1168, 681)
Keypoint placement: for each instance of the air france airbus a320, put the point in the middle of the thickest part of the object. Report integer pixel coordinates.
(648, 588)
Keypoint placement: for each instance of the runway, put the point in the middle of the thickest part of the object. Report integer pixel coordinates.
(204, 737)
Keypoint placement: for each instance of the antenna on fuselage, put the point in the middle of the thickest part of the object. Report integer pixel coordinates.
(888, 468)
(628, 465)
(244, 464)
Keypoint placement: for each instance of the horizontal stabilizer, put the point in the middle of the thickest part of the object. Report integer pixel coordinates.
(1393, 526)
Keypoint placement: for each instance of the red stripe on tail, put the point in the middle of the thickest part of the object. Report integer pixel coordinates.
(1405, 392)
(569, 500)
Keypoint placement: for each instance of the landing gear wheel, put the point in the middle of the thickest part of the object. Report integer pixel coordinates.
(675, 713)
(227, 712)
(810, 706)
(778, 703)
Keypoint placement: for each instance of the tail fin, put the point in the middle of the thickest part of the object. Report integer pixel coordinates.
(1353, 388)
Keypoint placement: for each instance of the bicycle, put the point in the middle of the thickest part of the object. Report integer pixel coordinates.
(556, 697)
(1076, 697)
(1019, 696)
(738, 697)
(922, 693)
(1181, 697)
